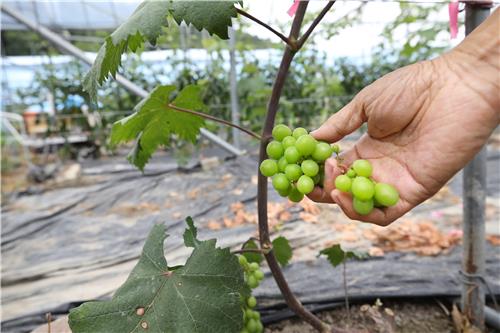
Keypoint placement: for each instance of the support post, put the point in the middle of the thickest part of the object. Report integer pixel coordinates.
(233, 87)
(70, 49)
(474, 201)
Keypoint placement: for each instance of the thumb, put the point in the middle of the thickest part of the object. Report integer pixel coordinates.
(344, 122)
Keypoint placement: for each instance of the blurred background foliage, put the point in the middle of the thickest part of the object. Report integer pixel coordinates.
(317, 86)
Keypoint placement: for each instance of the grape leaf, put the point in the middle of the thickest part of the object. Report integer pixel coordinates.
(145, 23)
(153, 122)
(336, 255)
(252, 256)
(282, 250)
(213, 16)
(190, 234)
(201, 296)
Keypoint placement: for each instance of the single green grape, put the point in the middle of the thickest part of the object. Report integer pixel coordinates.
(274, 150)
(295, 195)
(362, 207)
(298, 132)
(305, 184)
(292, 155)
(243, 261)
(281, 131)
(306, 144)
(322, 152)
(280, 182)
(256, 315)
(309, 168)
(293, 172)
(284, 193)
(386, 194)
(260, 327)
(282, 163)
(351, 173)
(376, 203)
(252, 282)
(253, 266)
(251, 302)
(343, 183)
(259, 275)
(336, 148)
(362, 188)
(321, 178)
(317, 178)
(363, 168)
(268, 168)
(249, 314)
(252, 326)
(288, 141)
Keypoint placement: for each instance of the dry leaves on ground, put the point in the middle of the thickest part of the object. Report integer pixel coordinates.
(277, 214)
(127, 209)
(311, 211)
(493, 239)
(423, 238)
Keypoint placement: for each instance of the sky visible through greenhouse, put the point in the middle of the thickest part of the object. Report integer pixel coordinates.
(355, 42)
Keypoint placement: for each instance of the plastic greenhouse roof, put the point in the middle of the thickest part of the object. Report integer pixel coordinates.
(74, 15)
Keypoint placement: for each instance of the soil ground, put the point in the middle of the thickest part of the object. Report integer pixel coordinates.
(400, 317)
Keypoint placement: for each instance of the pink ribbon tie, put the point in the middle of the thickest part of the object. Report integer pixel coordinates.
(293, 8)
(453, 12)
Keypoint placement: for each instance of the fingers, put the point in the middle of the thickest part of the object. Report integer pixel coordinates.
(344, 122)
(320, 195)
(382, 217)
(332, 170)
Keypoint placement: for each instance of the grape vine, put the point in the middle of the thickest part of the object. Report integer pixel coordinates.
(211, 292)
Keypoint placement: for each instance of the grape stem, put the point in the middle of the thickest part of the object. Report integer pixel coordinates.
(218, 120)
(261, 251)
(272, 108)
(313, 25)
(291, 43)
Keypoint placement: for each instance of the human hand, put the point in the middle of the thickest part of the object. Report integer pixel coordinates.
(425, 122)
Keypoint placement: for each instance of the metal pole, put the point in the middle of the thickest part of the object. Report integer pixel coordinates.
(233, 87)
(474, 192)
(70, 49)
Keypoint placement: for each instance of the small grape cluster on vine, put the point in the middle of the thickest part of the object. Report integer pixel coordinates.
(296, 161)
(367, 193)
(253, 276)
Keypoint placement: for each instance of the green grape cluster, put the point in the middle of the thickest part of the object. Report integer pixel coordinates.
(253, 276)
(366, 192)
(296, 161)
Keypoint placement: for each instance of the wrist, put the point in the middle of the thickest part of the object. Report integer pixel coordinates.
(475, 62)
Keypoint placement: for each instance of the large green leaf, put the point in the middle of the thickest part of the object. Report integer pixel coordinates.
(213, 16)
(144, 24)
(153, 122)
(202, 296)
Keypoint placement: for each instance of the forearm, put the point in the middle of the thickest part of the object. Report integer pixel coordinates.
(476, 61)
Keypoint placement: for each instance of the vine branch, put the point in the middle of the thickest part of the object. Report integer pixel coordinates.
(313, 25)
(222, 121)
(287, 40)
(250, 251)
(272, 108)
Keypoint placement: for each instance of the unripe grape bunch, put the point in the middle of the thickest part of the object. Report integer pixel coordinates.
(253, 275)
(296, 161)
(366, 192)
